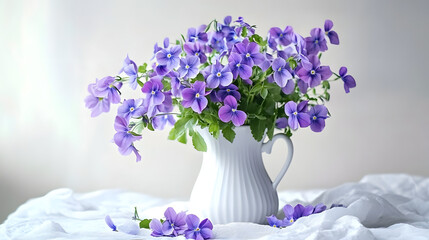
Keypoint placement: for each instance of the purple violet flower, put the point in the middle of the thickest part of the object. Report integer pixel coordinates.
(157, 229)
(197, 35)
(217, 42)
(284, 37)
(318, 114)
(194, 49)
(249, 52)
(319, 208)
(130, 68)
(238, 67)
(332, 35)
(154, 95)
(316, 42)
(124, 138)
(107, 88)
(281, 74)
(297, 114)
(220, 75)
(197, 230)
(110, 223)
(301, 211)
(273, 221)
(228, 90)
(349, 81)
(281, 123)
(188, 67)
(131, 108)
(229, 112)
(169, 57)
(312, 73)
(195, 97)
(97, 105)
(176, 85)
(159, 122)
(175, 223)
(289, 88)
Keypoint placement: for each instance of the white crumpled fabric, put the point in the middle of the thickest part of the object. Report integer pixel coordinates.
(378, 207)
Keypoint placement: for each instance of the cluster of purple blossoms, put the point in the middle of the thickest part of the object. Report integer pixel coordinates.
(224, 73)
(294, 213)
(176, 224)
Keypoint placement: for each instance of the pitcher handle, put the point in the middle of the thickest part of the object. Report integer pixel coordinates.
(267, 147)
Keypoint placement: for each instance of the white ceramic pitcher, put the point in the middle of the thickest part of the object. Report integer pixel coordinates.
(233, 185)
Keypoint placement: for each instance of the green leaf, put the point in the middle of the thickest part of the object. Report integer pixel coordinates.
(183, 37)
(138, 128)
(257, 127)
(140, 83)
(199, 142)
(182, 138)
(327, 96)
(214, 129)
(228, 133)
(199, 77)
(150, 127)
(320, 55)
(145, 223)
(326, 85)
(135, 134)
(142, 68)
(288, 132)
(244, 32)
(208, 26)
(271, 125)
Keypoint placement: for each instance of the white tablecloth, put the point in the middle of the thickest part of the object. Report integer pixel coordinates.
(378, 207)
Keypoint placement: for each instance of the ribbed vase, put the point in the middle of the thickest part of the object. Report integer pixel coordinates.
(233, 185)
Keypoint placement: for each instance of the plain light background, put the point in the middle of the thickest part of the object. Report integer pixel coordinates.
(51, 50)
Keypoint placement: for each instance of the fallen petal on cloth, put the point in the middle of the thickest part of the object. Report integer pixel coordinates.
(388, 206)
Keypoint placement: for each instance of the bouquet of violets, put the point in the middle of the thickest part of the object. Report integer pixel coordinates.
(221, 76)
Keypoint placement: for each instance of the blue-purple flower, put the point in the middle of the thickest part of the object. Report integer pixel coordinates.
(129, 227)
(195, 97)
(188, 67)
(332, 35)
(169, 57)
(297, 114)
(130, 68)
(97, 105)
(159, 122)
(284, 37)
(294, 213)
(312, 73)
(316, 42)
(198, 230)
(217, 42)
(124, 138)
(273, 221)
(154, 95)
(318, 114)
(349, 81)
(131, 108)
(220, 75)
(281, 73)
(249, 52)
(238, 68)
(194, 49)
(108, 88)
(229, 112)
(231, 89)
(281, 123)
(175, 223)
(197, 35)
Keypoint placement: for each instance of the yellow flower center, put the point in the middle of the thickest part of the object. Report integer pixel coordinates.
(153, 92)
(218, 74)
(291, 220)
(169, 55)
(313, 72)
(197, 95)
(197, 54)
(197, 229)
(172, 224)
(235, 37)
(274, 225)
(187, 67)
(316, 42)
(111, 85)
(281, 34)
(295, 113)
(238, 65)
(314, 117)
(247, 54)
(278, 70)
(228, 90)
(131, 109)
(233, 110)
